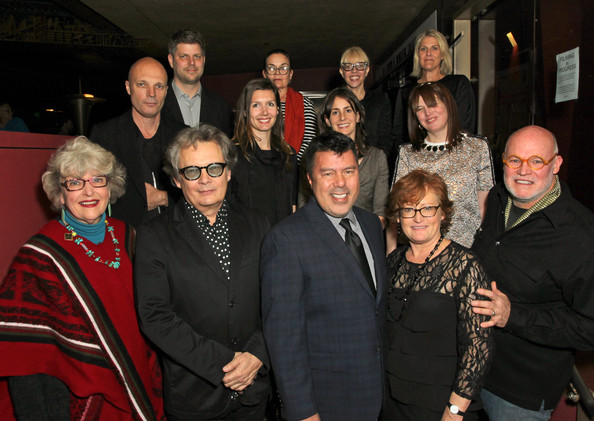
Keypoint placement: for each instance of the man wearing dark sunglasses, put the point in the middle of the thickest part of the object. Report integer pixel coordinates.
(198, 290)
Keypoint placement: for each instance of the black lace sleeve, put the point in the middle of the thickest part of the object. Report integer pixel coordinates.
(475, 345)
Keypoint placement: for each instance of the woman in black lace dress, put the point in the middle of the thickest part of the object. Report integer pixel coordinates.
(438, 354)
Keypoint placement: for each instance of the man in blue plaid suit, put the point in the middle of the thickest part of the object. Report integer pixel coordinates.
(322, 306)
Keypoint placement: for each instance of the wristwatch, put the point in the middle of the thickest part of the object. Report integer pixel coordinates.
(455, 410)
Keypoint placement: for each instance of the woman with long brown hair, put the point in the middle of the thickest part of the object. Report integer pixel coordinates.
(265, 176)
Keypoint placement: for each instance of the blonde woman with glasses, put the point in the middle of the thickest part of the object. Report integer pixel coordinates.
(354, 69)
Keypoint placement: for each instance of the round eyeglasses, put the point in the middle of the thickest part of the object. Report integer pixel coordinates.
(194, 172)
(282, 70)
(76, 184)
(360, 65)
(535, 162)
(425, 211)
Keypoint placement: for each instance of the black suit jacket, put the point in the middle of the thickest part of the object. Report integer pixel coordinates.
(118, 136)
(322, 322)
(193, 314)
(214, 110)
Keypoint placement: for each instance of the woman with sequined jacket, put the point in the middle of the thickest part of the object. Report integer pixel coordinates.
(437, 353)
(439, 145)
(69, 337)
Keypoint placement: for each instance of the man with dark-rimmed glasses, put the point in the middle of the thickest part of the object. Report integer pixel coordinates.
(537, 245)
(198, 290)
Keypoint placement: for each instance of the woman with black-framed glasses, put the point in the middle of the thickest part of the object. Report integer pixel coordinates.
(297, 111)
(354, 69)
(265, 176)
(437, 353)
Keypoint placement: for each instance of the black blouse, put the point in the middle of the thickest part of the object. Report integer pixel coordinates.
(435, 342)
(263, 183)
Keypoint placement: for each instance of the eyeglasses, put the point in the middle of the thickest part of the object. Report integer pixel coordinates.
(360, 65)
(535, 162)
(194, 172)
(425, 211)
(282, 70)
(76, 184)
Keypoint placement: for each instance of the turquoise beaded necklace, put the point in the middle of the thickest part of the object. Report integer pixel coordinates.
(72, 235)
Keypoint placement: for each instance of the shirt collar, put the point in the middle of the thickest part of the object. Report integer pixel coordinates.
(179, 93)
(350, 216)
(202, 219)
(541, 205)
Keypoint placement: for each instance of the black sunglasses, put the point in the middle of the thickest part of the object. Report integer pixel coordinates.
(194, 172)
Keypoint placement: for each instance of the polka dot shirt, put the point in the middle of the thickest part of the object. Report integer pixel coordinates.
(217, 235)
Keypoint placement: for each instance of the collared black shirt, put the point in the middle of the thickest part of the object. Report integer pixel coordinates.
(545, 266)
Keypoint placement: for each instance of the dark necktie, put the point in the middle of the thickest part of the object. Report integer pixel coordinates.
(354, 243)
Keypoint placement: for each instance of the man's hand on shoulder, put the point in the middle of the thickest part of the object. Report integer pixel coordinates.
(241, 371)
(155, 197)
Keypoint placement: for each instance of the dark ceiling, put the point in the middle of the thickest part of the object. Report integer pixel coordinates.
(240, 32)
(51, 48)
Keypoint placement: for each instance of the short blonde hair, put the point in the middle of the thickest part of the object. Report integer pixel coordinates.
(446, 66)
(354, 51)
(75, 158)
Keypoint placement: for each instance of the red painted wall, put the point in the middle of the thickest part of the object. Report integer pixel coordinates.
(24, 207)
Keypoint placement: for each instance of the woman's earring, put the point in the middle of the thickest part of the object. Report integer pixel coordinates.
(109, 210)
(63, 215)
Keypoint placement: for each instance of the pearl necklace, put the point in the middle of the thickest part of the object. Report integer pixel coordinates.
(72, 235)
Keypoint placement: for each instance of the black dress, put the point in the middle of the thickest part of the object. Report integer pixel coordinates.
(435, 342)
(378, 121)
(263, 183)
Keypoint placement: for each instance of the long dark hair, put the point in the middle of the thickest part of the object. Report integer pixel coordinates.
(243, 135)
(430, 92)
(352, 99)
